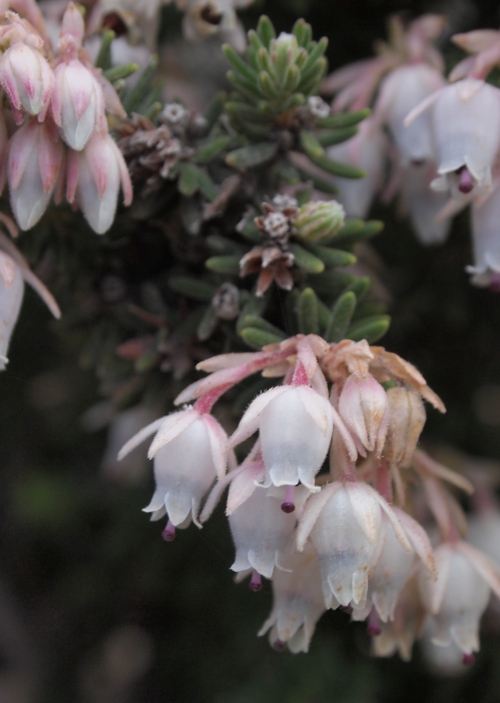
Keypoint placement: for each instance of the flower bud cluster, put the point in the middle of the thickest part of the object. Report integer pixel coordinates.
(59, 105)
(342, 538)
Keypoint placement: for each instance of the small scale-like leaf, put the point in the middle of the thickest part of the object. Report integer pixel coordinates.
(214, 110)
(257, 338)
(305, 260)
(322, 184)
(252, 155)
(351, 227)
(254, 306)
(134, 98)
(103, 59)
(120, 72)
(206, 185)
(267, 86)
(247, 112)
(208, 323)
(266, 31)
(291, 79)
(192, 287)
(360, 287)
(211, 150)
(302, 32)
(251, 91)
(229, 265)
(239, 64)
(188, 181)
(346, 119)
(337, 136)
(308, 312)
(337, 168)
(332, 257)
(257, 322)
(371, 329)
(310, 144)
(323, 316)
(341, 316)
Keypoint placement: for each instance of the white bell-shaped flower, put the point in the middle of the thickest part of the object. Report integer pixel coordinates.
(261, 529)
(344, 523)
(295, 424)
(366, 150)
(189, 452)
(400, 92)
(298, 601)
(459, 596)
(395, 564)
(11, 297)
(486, 238)
(424, 204)
(466, 125)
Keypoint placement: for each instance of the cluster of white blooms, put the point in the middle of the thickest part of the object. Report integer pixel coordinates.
(58, 104)
(445, 135)
(338, 538)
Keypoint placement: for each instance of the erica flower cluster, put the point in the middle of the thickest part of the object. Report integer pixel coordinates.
(336, 538)
(445, 135)
(61, 144)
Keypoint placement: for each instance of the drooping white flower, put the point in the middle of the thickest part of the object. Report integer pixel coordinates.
(260, 529)
(400, 92)
(459, 596)
(297, 600)
(344, 522)
(11, 297)
(424, 204)
(366, 150)
(466, 127)
(295, 425)
(189, 452)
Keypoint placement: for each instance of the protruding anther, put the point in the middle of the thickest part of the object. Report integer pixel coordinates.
(288, 505)
(373, 626)
(278, 646)
(168, 533)
(468, 659)
(255, 582)
(465, 184)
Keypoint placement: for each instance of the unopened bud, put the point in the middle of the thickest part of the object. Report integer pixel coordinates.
(363, 407)
(406, 415)
(316, 221)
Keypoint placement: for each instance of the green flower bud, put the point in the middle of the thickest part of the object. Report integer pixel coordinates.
(316, 221)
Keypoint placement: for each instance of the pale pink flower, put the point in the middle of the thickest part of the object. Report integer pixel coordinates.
(189, 451)
(78, 100)
(456, 601)
(11, 297)
(363, 408)
(297, 600)
(34, 164)
(344, 522)
(94, 178)
(466, 127)
(205, 18)
(295, 428)
(366, 150)
(27, 79)
(400, 92)
(398, 635)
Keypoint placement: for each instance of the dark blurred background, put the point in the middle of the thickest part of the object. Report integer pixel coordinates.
(96, 608)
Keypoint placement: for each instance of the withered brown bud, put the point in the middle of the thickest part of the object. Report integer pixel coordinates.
(406, 420)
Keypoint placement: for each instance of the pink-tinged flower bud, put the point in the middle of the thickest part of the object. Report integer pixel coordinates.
(77, 104)
(400, 92)
(456, 601)
(11, 297)
(367, 150)
(94, 178)
(486, 239)
(27, 80)
(295, 426)
(298, 600)
(406, 419)
(260, 530)
(35, 158)
(344, 522)
(363, 408)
